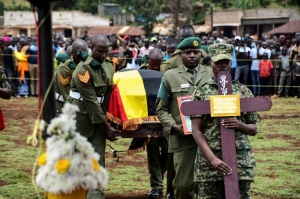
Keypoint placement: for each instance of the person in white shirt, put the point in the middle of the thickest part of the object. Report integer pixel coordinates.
(146, 48)
(264, 49)
(255, 72)
(242, 56)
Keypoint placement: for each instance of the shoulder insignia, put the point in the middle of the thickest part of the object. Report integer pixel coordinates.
(64, 81)
(84, 78)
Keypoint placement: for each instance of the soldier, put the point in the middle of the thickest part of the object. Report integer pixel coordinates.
(177, 82)
(209, 168)
(5, 91)
(65, 70)
(175, 61)
(157, 148)
(90, 89)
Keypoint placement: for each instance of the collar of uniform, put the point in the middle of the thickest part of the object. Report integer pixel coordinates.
(197, 68)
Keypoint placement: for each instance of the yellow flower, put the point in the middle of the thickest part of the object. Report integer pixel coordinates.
(95, 164)
(62, 166)
(42, 159)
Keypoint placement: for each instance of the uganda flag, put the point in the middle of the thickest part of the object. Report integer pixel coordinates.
(133, 98)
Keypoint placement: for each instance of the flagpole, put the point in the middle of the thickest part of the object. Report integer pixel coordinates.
(45, 58)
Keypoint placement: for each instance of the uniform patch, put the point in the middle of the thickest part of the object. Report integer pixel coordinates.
(84, 78)
(64, 81)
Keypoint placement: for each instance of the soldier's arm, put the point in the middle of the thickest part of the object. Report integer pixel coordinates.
(163, 109)
(64, 80)
(205, 149)
(87, 91)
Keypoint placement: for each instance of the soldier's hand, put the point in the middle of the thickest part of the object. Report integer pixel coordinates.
(221, 166)
(110, 132)
(232, 123)
(178, 128)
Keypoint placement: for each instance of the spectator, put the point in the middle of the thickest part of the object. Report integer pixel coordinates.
(296, 73)
(264, 49)
(275, 73)
(22, 64)
(265, 66)
(255, 72)
(146, 48)
(216, 39)
(9, 63)
(33, 67)
(285, 73)
(242, 56)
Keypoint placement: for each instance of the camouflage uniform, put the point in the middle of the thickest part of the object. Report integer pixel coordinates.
(63, 76)
(209, 180)
(3, 81)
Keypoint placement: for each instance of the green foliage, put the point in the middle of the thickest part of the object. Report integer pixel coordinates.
(66, 5)
(245, 4)
(145, 16)
(90, 6)
(264, 3)
(15, 6)
(1, 8)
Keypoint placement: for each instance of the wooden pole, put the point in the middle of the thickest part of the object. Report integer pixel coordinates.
(45, 58)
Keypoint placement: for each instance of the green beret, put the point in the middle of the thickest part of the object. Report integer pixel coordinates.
(62, 57)
(220, 51)
(190, 42)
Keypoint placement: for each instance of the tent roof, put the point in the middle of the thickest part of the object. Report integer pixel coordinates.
(290, 27)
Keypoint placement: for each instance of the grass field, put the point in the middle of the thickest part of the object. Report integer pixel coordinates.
(276, 148)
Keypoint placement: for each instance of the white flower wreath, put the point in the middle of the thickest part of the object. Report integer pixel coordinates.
(70, 161)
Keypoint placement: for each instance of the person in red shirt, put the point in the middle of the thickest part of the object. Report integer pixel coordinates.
(265, 66)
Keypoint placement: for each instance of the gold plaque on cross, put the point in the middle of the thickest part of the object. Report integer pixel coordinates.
(225, 105)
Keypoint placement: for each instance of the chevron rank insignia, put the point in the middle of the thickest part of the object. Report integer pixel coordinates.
(84, 78)
(64, 81)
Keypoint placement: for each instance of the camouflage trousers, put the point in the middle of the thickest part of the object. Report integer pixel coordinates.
(215, 190)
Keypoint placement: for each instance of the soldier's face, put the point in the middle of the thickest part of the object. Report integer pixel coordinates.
(154, 64)
(221, 65)
(191, 57)
(100, 51)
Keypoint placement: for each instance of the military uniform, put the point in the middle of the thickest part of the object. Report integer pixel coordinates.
(144, 66)
(178, 82)
(3, 81)
(175, 61)
(204, 172)
(63, 78)
(157, 155)
(209, 181)
(90, 89)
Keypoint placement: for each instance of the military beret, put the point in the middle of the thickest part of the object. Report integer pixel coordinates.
(62, 57)
(220, 51)
(190, 42)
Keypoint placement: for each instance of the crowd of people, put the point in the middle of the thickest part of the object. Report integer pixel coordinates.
(85, 67)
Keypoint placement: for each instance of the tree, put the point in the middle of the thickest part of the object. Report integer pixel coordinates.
(90, 6)
(245, 4)
(65, 5)
(264, 3)
(146, 13)
(1, 8)
(177, 7)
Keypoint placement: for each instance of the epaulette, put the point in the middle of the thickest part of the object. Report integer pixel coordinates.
(82, 55)
(72, 65)
(62, 57)
(107, 59)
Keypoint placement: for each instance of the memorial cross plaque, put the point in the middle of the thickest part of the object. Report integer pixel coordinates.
(227, 106)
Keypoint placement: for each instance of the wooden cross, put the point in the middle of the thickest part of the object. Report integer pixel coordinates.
(228, 135)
